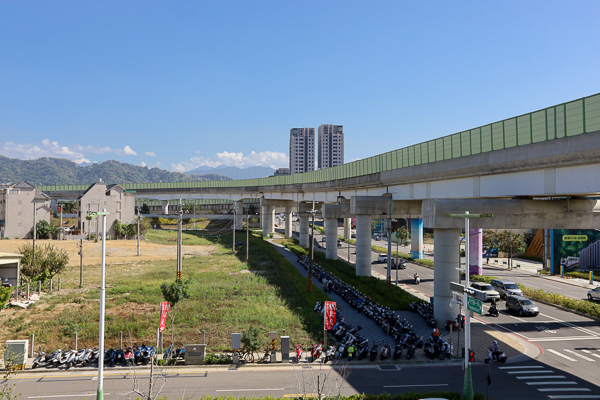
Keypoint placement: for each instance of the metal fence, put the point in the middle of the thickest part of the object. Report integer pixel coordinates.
(567, 119)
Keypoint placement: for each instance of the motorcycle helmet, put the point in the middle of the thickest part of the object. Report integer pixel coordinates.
(495, 342)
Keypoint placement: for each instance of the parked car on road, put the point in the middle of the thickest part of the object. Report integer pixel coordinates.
(521, 304)
(488, 289)
(594, 294)
(506, 288)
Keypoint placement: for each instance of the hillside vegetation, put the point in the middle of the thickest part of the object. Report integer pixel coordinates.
(58, 171)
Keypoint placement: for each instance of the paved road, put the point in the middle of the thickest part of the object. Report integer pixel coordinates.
(529, 380)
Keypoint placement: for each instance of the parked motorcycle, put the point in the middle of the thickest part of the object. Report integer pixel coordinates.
(298, 353)
(374, 351)
(397, 352)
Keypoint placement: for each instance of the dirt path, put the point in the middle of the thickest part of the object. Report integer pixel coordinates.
(117, 251)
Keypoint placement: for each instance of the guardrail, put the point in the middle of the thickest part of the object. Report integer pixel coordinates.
(563, 120)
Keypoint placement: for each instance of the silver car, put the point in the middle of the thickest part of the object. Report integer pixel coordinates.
(488, 289)
(594, 294)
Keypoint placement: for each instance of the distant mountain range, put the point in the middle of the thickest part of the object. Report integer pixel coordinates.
(234, 172)
(58, 171)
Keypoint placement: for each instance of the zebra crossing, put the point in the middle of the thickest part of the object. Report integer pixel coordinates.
(547, 382)
(577, 354)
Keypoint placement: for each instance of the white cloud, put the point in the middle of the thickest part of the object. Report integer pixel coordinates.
(143, 164)
(150, 154)
(46, 148)
(270, 159)
(156, 165)
(127, 151)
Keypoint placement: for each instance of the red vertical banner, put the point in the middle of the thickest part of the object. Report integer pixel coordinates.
(329, 314)
(58, 209)
(164, 311)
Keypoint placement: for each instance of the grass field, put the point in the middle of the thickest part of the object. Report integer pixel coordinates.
(227, 295)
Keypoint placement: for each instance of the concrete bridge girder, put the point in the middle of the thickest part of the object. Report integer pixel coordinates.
(380, 205)
(513, 214)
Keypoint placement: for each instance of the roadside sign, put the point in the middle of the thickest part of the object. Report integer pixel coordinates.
(474, 305)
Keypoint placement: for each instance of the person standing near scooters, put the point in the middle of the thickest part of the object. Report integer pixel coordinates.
(495, 351)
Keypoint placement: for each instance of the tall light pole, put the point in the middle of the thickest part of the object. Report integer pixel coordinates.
(139, 218)
(179, 240)
(89, 217)
(468, 382)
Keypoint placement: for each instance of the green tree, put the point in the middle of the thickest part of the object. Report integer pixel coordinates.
(49, 261)
(45, 230)
(145, 209)
(251, 340)
(4, 297)
(174, 293)
(510, 243)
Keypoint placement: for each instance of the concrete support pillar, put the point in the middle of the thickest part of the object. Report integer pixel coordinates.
(416, 238)
(239, 215)
(475, 251)
(331, 233)
(265, 218)
(304, 231)
(271, 219)
(288, 222)
(445, 265)
(165, 207)
(347, 228)
(363, 245)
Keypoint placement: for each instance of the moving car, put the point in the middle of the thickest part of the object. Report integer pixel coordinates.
(506, 288)
(382, 258)
(353, 234)
(594, 294)
(488, 289)
(521, 304)
(401, 263)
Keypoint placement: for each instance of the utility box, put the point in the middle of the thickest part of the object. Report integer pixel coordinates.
(195, 354)
(16, 353)
(236, 341)
(285, 348)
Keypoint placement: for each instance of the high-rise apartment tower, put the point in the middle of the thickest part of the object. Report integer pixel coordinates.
(331, 145)
(302, 150)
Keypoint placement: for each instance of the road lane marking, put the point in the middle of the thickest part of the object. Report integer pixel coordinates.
(565, 338)
(584, 330)
(65, 395)
(400, 386)
(568, 396)
(245, 390)
(542, 377)
(561, 355)
(555, 287)
(590, 353)
(579, 355)
(531, 372)
(564, 389)
(552, 383)
(522, 367)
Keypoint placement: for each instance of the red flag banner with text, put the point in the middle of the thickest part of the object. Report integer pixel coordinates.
(329, 314)
(164, 311)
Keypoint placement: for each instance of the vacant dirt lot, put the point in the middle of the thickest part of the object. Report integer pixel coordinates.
(117, 251)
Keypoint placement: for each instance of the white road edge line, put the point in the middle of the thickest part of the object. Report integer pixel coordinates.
(565, 389)
(552, 383)
(570, 396)
(560, 354)
(535, 366)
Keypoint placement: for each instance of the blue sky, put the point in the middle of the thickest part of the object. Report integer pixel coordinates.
(182, 84)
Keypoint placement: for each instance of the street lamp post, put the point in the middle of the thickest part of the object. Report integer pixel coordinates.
(468, 383)
(311, 248)
(89, 217)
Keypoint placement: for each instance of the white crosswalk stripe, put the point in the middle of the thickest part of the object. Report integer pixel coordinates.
(590, 353)
(579, 355)
(561, 355)
(531, 372)
(542, 377)
(564, 390)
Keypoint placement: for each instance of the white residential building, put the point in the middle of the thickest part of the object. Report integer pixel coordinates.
(302, 150)
(331, 145)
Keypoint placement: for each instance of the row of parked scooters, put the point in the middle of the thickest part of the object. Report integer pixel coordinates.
(129, 356)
